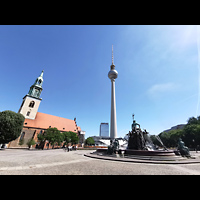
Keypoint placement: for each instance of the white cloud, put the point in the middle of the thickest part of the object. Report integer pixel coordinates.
(159, 90)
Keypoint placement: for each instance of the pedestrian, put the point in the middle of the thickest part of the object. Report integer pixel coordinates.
(197, 148)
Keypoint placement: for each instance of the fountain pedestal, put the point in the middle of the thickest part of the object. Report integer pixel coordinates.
(149, 153)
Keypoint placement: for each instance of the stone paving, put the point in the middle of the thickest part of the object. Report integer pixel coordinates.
(59, 162)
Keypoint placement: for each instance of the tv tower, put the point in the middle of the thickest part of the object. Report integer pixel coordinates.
(112, 74)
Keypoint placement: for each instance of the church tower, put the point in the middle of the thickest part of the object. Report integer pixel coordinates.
(32, 100)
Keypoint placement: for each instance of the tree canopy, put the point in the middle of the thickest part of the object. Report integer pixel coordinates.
(190, 134)
(89, 141)
(70, 137)
(11, 124)
(54, 136)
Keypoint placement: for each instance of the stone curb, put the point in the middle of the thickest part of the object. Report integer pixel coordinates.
(188, 161)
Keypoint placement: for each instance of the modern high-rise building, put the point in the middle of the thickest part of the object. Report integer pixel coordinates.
(104, 130)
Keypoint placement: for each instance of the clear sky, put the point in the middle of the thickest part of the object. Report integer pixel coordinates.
(158, 73)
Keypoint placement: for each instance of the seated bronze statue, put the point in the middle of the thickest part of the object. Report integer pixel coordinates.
(184, 151)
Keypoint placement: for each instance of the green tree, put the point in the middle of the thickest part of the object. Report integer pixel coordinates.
(165, 138)
(11, 125)
(170, 138)
(74, 137)
(30, 143)
(67, 137)
(53, 135)
(193, 120)
(191, 135)
(174, 136)
(154, 140)
(70, 137)
(21, 142)
(89, 141)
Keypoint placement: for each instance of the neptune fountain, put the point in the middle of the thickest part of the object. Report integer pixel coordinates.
(139, 146)
(140, 143)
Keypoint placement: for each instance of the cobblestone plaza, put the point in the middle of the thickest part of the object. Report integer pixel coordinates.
(59, 162)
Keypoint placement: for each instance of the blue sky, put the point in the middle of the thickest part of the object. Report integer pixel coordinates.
(158, 73)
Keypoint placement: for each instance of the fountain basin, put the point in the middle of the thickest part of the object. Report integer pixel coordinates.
(149, 153)
(156, 155)
(142, 152)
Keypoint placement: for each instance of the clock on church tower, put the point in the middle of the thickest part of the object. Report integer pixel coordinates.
(32, 100)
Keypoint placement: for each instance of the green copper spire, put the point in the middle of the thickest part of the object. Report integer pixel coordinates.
(36, 88)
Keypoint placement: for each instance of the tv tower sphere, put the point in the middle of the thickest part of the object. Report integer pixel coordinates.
(112, 74)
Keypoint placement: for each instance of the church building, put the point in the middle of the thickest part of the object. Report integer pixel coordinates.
(36, 123)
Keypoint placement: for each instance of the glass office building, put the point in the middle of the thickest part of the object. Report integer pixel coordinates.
(104, 130)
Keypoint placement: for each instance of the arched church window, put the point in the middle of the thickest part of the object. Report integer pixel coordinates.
(32, 103)
(22, 136)
(28, 113)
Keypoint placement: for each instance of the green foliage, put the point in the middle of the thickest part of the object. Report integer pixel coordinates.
(21, 142)
(67, 137)
(11, 125)
(70, 137)
(154, 140)
(190, 134)
(41, 137)
(170, 139)
(31, 142)
(193, 120)
(89, 141)
(53, 135)
(74, 138)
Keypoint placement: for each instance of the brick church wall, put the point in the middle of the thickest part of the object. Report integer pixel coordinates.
(29, 133)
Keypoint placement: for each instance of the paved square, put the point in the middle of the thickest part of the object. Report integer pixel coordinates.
(59, 162)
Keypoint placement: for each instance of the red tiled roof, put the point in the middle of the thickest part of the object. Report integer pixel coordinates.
(44, 121)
